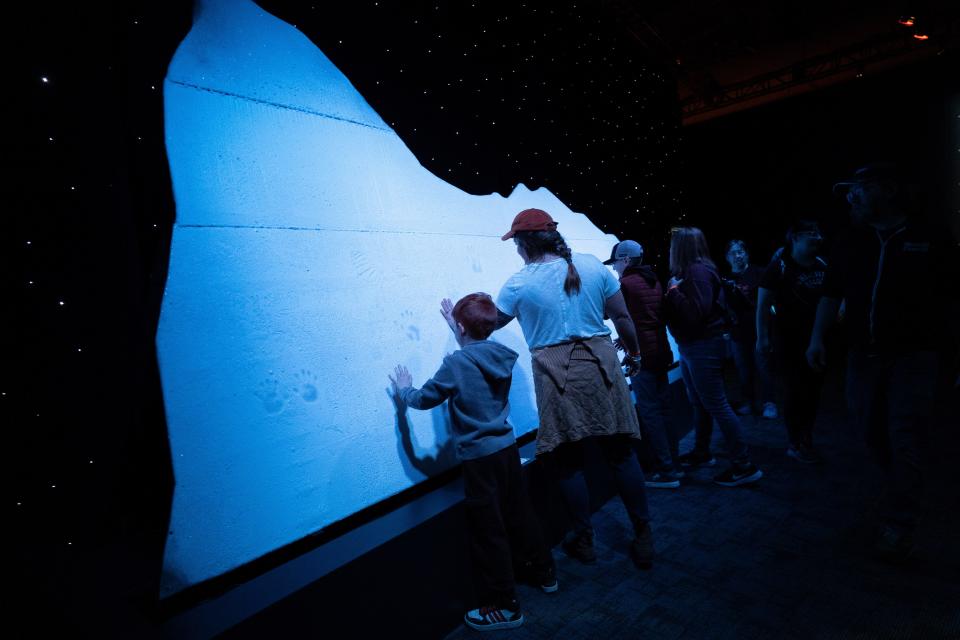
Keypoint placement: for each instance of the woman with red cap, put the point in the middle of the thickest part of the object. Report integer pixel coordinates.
(560, 299)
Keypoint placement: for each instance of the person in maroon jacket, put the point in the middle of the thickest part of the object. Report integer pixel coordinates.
(644, 297)
(694, 315)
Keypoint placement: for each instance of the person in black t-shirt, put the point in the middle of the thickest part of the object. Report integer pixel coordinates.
(898, 279)
(793, 284)
(752, 365)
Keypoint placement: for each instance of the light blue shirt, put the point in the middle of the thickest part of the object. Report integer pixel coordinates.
(547, 315)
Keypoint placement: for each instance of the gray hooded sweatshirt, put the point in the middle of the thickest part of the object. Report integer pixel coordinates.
(476, 381)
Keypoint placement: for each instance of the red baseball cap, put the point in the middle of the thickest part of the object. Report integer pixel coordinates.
(530, 220)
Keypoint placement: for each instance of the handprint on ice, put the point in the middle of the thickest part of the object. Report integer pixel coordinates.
(410, 330)
(306, 232)
(306, 387)
(272, 397)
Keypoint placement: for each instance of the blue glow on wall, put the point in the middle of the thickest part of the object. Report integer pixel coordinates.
(309, 256)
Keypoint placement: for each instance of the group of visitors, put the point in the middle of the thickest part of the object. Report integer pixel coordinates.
(561, 300)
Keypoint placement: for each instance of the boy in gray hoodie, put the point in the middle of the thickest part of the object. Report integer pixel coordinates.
(475, 382)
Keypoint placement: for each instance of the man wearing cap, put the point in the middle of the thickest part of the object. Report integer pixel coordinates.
(644, 297)
(899, 281)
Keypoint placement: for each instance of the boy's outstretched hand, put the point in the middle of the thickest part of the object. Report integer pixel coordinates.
(446, 310)
(403, 379)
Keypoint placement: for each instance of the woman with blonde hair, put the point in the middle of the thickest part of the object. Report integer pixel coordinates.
(693, 306)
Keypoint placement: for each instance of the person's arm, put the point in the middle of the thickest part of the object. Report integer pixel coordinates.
(691, 297)
(506, 299)
(615, 308)
(826, 316)
(434, 391)
(503, 319)
(766, 298)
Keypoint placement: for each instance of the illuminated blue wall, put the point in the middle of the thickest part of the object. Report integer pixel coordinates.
(309, 256)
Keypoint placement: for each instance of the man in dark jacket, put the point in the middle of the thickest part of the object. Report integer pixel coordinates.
(644, 296)
(899, 281)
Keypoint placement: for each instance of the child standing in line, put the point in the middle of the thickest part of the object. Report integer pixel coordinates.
(475, 381)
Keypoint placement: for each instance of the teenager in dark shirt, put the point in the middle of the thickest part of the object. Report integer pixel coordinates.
(696, 321)
(752, 366)
(793, 284)
(899, 280)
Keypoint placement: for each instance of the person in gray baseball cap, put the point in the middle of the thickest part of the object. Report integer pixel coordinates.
(644, 297)
(626, 249)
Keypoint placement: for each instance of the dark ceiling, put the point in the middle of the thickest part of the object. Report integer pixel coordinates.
(734, 54)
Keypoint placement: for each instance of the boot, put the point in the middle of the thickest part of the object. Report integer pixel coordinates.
(579, 546)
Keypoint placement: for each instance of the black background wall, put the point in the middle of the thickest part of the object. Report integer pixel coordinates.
(568, 103)
(750, 174)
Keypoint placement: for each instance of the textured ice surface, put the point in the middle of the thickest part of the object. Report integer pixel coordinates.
(310, 254)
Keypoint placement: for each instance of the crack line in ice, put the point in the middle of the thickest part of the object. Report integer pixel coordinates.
(276, 104)
(394, 231)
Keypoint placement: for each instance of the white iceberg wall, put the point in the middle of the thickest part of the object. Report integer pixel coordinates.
(309, 256)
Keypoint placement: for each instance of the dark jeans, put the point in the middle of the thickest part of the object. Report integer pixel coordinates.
(891, 396)
(501, 525)
(652, 392)
(801, 390)
(701, 365)
(620, 458)
(753, 369)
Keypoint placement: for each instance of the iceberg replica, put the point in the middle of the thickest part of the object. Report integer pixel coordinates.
(309, 256)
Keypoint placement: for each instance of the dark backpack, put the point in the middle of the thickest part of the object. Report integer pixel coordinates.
(732, 301)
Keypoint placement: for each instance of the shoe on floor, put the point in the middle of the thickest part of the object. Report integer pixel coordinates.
(770, 411)
(806, 455)
(580, 547)
(696, 458)
(641, 549)
(544, 578)
(736, 476)
(492, 618)
(663, 480)
(744, 409)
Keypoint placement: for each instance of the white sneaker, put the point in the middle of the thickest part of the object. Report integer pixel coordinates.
(491, 618)
(769, 411)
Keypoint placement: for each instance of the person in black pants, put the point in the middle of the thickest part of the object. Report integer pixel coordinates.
(752, 366)
(475, 382)
(793, 284)
(898, 277)
(695, 317)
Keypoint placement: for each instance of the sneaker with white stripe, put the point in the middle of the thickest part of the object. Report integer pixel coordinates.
(492, 618)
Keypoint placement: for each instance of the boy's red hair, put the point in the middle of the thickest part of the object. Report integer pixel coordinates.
(478, 315)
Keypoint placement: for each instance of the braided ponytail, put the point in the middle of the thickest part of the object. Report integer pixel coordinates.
(571, 283)
(536, 244)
